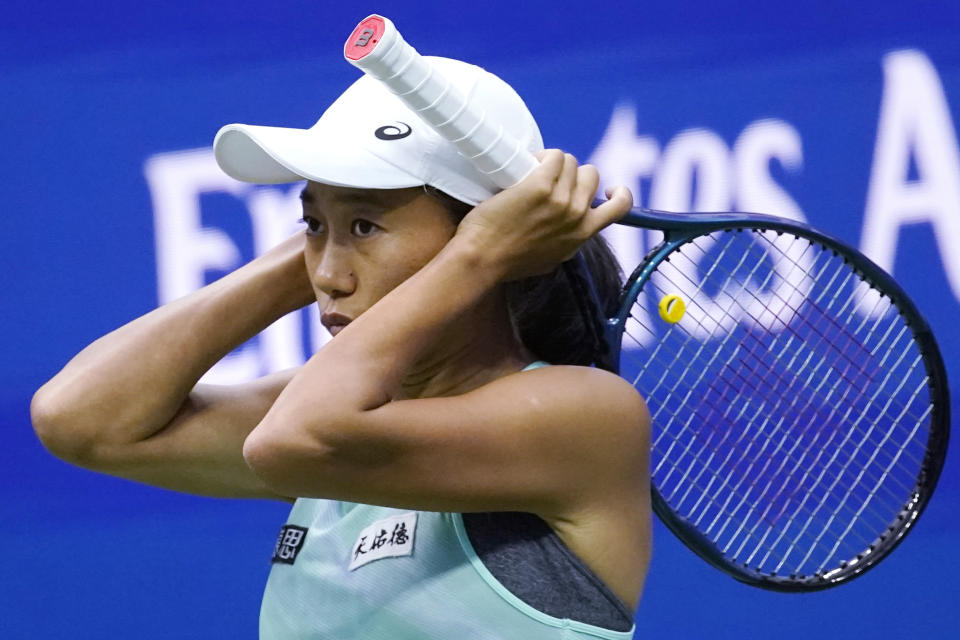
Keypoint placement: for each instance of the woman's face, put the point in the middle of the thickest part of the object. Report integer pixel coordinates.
(361, 243)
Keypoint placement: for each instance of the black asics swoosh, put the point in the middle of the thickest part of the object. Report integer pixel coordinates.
(393, 132)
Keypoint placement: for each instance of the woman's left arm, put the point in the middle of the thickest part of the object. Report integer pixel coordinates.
(547, 441)
(334, 431)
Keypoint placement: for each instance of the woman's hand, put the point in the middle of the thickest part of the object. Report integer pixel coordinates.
(286, 261)
(530, 228)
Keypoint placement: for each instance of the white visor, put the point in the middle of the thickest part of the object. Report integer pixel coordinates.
(369, 139)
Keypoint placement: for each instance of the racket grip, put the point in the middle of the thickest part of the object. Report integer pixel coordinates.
(378, 49)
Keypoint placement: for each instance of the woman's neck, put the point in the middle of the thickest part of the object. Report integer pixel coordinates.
(473, 351)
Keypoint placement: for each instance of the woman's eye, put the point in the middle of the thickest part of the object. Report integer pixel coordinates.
(363, 228)
(314, 225)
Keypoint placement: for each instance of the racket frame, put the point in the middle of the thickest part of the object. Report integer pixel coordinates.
(682, 228)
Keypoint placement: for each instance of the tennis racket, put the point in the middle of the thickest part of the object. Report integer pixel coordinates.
(799, 401)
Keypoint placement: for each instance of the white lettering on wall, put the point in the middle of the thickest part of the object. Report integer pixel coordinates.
(186, 249)
(757, 145)
(623, 158)
(774, 306)
(693, 156)
(914, 122)
(694, 175)
(697, 171)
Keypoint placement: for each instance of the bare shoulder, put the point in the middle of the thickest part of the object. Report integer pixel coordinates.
(605, 429)
(596, 413)
(603, 399)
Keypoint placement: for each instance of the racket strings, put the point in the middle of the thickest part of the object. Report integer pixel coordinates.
(763, 515)
(827, 317)
(703, 345)
(655, 390)
(886, 471)
(724, 510)
(857, 515)
(850, 275)
(819, 343)
(814, 444)
(692, 484)
(853, 521)
(707, 466)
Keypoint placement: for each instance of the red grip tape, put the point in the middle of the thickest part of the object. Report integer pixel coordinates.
(364, 38)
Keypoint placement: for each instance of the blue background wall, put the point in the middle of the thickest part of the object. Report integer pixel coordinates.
(89, 92)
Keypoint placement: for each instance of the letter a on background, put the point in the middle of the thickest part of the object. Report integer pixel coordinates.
(914, 121)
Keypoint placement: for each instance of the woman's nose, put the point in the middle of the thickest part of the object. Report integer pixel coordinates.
(334, 273)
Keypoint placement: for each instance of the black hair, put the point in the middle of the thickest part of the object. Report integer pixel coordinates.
(555, 318)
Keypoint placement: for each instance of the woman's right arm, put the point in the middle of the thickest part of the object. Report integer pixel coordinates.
(129, 404)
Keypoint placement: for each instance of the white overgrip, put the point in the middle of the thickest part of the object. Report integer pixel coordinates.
(417, 82)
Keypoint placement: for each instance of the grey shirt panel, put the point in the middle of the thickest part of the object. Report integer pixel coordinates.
(529, 559)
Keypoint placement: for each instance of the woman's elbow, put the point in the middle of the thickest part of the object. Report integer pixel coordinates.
(57, 429)
(289, 461)
(261, 454)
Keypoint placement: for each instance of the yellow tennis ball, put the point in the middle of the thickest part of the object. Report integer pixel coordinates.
(672, 308)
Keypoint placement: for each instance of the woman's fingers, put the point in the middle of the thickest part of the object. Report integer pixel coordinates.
(572, 187)
(566, 182)
(551, 166)
(587, 180)
(557, 218)
(619, 201)
(557, 198)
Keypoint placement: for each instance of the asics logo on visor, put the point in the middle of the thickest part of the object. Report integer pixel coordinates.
(393, 132)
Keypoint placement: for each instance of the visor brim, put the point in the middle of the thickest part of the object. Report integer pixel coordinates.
(274, 155)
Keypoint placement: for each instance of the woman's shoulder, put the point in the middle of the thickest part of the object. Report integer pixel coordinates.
(585, 385)
(583, 397)
(598, 429)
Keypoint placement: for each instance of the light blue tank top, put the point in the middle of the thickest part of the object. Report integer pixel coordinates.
(344, 570)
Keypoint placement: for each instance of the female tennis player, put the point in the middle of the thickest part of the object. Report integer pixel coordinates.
(457, 470)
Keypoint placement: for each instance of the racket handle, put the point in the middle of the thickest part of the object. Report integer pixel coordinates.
(377, 48)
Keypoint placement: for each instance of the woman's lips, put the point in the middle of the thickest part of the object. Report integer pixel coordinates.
(334, 322)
